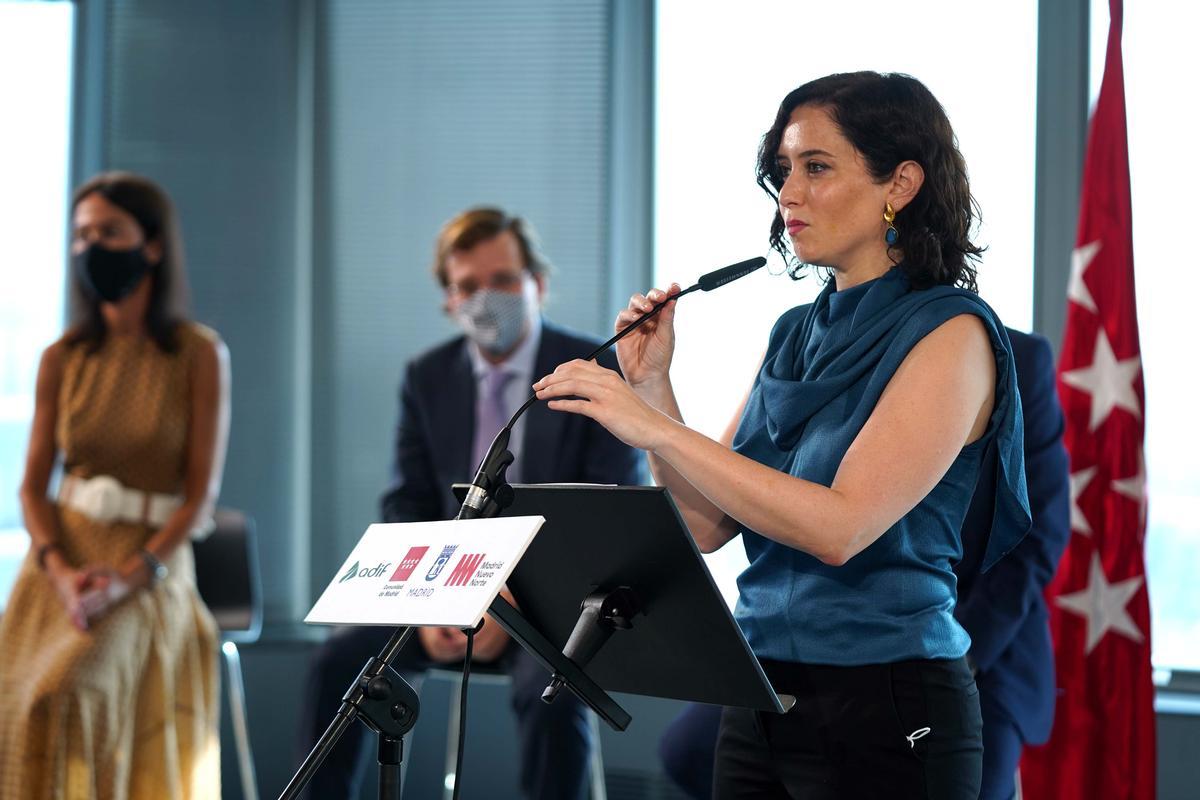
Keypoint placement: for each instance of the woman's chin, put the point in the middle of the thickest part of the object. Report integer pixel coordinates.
(809, 256)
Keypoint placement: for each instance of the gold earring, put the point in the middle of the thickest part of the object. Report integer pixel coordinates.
(891, 235)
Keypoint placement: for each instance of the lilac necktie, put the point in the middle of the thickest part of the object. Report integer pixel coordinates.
(491, 414)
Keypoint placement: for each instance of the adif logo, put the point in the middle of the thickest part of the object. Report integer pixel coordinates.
(465, 569)
(441, 562)
(365, 572)
(408, 564)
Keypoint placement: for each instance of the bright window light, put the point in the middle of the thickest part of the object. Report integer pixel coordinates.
(1155, 37)
(35, 93)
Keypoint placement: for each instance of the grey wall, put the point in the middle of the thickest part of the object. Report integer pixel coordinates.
(313, 149)
(421, 110)
(201, 97)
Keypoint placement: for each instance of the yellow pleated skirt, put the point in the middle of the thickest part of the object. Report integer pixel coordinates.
(127, 709)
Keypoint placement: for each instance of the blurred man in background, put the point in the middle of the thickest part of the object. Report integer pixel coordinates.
(454, 399)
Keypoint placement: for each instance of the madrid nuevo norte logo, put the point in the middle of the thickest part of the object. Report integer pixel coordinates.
(365, 572)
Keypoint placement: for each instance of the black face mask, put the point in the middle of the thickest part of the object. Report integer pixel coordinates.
(110, 275)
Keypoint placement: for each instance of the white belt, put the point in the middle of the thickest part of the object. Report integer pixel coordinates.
(104, 499)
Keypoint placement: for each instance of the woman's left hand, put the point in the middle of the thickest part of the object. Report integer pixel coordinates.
(604, 396)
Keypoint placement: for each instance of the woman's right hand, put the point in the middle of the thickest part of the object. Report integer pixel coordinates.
(645, 354)
(69, 584)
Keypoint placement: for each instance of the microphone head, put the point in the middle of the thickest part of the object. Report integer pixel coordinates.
(724, 275)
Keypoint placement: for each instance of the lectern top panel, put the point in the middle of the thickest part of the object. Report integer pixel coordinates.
(684, 644)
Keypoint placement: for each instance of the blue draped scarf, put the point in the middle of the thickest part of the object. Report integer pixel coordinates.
(826, 367)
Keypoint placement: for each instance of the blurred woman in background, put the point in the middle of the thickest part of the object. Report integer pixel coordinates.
(108, 657)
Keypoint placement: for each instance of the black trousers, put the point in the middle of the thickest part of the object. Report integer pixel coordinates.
(555, 739)
(911, 729)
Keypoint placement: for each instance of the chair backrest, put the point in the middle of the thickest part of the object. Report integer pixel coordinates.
(227, 575)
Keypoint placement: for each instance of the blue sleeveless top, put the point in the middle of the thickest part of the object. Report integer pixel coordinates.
(826, 366)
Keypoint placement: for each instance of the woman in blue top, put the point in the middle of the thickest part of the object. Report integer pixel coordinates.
(851, 464)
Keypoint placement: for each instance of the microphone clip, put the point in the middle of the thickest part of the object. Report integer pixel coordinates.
(490, 492)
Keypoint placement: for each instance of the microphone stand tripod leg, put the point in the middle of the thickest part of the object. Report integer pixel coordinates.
(342, 720)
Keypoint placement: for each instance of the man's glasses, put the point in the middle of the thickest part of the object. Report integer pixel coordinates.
(501, 282)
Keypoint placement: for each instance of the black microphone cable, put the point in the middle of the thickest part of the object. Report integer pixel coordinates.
(462, 708)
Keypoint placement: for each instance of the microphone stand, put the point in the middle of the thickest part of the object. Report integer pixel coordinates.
(383, 700)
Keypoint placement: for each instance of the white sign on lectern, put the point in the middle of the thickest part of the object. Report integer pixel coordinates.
(425, 573)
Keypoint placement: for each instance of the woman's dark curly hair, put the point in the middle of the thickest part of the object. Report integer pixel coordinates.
(890, 118)
(149, 204)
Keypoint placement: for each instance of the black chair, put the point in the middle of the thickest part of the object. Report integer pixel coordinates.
(227, 578)
(487, 674)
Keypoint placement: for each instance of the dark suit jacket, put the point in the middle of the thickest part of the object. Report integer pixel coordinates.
(1004, 609)
(436, 430)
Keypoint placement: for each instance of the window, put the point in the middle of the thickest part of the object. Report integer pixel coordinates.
(35, 58)
(1167, 283)
(720, 77)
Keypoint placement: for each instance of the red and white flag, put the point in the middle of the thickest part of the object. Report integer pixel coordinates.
(1102, 745)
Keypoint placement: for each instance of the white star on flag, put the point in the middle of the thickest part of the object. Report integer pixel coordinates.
(1102, 605)
(1077, 290)
(1108, 381)
(1079, 482)
(1134, 487)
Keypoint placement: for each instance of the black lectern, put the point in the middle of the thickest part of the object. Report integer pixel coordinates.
(665, 630)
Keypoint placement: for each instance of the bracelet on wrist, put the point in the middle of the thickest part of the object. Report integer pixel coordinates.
(44, 551)
(154, 567)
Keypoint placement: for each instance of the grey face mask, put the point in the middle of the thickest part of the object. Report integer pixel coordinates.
(494, 320)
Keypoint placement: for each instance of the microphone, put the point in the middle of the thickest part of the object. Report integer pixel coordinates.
(719, 277)
(490, 493)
